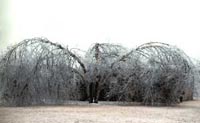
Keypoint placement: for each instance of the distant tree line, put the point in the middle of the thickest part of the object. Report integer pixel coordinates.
(38, 71)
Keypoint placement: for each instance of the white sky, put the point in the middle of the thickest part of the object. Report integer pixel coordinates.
(79, 23)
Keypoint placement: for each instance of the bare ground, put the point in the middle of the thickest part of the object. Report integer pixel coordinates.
(187, 112)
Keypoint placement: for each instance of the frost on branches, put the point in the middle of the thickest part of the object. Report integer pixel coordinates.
(38, 71)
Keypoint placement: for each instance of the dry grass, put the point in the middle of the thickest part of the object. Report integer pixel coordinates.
(187, 112)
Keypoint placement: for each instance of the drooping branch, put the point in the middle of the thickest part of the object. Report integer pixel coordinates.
(46, 69)
(147, 74)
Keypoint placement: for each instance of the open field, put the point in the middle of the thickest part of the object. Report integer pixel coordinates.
(187, 112)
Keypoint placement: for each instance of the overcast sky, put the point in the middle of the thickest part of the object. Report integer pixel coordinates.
(79, 23)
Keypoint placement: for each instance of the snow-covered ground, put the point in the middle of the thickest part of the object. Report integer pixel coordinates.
(104, 112)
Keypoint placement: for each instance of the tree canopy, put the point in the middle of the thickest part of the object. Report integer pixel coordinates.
(38, 71)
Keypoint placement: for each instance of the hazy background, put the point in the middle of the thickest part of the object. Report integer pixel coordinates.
(79, 23)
